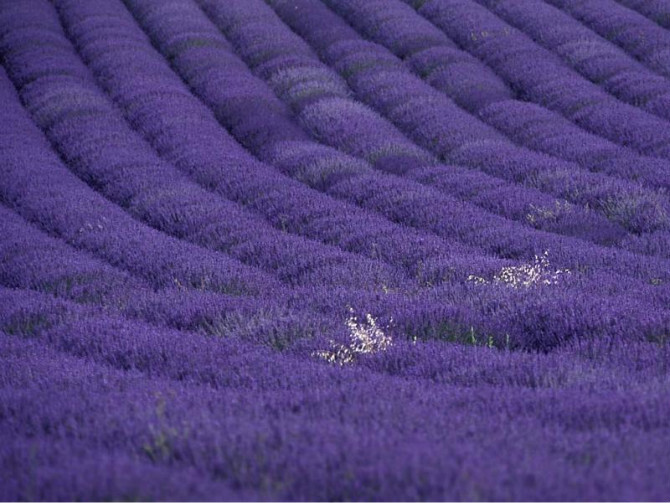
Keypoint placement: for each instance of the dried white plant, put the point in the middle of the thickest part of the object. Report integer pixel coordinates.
(364, 338)
(536, 273)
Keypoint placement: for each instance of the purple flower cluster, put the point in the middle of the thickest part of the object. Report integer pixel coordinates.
(334, 250)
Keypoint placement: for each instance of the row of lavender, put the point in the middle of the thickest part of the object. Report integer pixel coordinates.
(473, 86)
(294, 429)
(202, 201)
(618, 299)
(627, 204)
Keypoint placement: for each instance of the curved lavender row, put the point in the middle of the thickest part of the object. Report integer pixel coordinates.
(248, 368)
(30, 259)
(209, 62)
(543, 319)
(540, 129)
(637, 211)
(528, 207)
(409, 249)
(38, 186)
(619, 205)
(258, 36)
(426, 50)
(561, 330)
(287, 204)
(590, 366)
(370, 137)
(528, 318)
(637, 35)
(225, 361)
(403, 428)
(42, 469)
(592, 56)
(381, 80)
(525, 319)
(386, 147)
(541, 342)
(603, 365)
(111, 157)
(539, 76)
(656, 10)
(627, 374)
(86, 331)
(575, 144)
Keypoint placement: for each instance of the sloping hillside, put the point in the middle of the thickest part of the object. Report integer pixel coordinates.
(334, 250)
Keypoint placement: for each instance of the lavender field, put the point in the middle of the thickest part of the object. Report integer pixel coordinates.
(335, 250)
